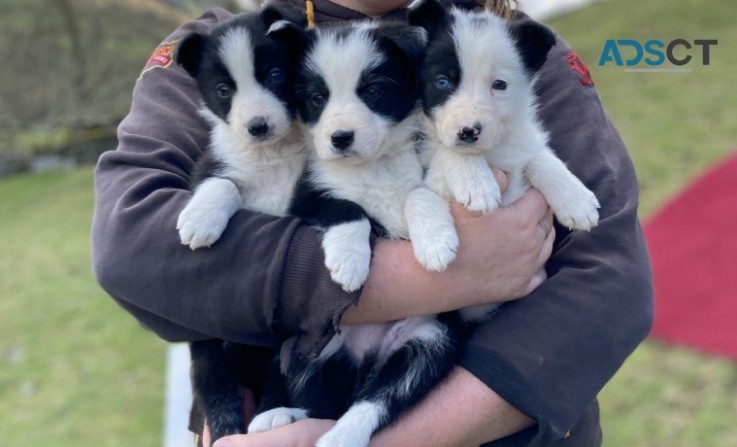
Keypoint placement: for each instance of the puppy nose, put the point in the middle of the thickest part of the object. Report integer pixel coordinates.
(258, 127)
(342, 139)
(470, 134)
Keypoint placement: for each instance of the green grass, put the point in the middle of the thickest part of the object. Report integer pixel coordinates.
(675, 126)
(74, 368)
(77, 370)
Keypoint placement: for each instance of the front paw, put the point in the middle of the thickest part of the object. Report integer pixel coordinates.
(436, 248)
(348, 267)
(579, 212)
(480, 194)
(348, 253)
(201, 226)
(275, 418)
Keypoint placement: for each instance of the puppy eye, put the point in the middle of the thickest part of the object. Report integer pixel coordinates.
(224, 90)
(318, 100)
(374, 93)
(442, 82)
(276, 75)
(499, 85)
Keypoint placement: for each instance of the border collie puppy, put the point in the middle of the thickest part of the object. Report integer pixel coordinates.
(477, 89)
(359, 100)
(256, 154)
(254, 161)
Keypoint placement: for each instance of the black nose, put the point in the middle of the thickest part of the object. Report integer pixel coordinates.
(470, 134)
(342, 139)
(258, 127)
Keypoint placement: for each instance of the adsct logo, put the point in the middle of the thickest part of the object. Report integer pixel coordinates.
(651, 55)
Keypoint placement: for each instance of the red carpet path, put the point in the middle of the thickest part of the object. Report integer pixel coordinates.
(693, 247)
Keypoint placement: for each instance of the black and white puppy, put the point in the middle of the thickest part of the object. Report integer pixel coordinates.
(254, 161)
(477, 87)
(359, 100)
(256, 153)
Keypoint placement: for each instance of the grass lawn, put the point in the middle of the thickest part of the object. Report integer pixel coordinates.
(75, 370)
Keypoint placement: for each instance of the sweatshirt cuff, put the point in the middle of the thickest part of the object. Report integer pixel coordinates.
(501, 377)
(311, 304)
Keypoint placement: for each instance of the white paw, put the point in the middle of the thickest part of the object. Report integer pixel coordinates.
(437, 249)
(579, 212)
(355, 427)
(342, 437)
(348, 253)
(479, 193)
(278, 417)
(348, 267)
(201, 226)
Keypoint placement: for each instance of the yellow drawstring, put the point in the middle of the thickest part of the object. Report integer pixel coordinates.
(310, 12)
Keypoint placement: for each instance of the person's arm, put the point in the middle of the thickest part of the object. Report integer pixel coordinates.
(551, 353)
(471, 415)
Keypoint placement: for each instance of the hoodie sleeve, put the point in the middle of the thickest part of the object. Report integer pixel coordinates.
(255, 285)
(549, 354)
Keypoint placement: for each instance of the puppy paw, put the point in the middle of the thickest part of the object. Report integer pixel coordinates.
(339, 437)
(580, 212)
(201, 226)
(479, 194)
(349, 267)
(355, 427)
(348, 253)
(436, 251)
(278, 417)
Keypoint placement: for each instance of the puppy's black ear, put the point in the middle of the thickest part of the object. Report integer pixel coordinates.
(189, 53)
(430, 15)
(533, 42)
(293, 36)
(273, 13)
(411, 40)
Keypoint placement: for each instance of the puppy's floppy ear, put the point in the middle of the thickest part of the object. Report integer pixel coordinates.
(272, 13)
(411, 40)
(189, 52)
(293, 36)
(533, 42)
(430, 15)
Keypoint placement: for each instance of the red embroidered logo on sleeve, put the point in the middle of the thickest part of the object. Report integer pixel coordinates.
(579, 67)
(162, 57)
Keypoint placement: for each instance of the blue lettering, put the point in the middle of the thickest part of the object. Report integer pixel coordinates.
(610, 53)
(638, 50)
(654, 48)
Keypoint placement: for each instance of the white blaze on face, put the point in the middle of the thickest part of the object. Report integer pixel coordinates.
(486, 53)
(341, 61)
(251, 99)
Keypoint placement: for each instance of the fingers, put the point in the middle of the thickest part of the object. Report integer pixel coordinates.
(501, 178)
(531, 207)
(545, 225)
(547, 247)
(536, 280)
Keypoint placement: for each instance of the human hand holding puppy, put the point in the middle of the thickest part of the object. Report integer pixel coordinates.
(500, 258)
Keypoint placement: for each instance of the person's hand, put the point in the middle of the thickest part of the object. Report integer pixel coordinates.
(303, 433)
(502, 254)
(501, 257)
